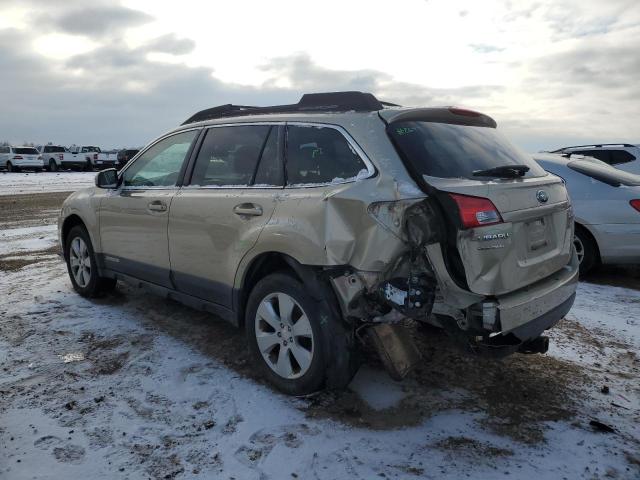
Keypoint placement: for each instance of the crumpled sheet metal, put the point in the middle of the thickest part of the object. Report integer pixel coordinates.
(331, 226)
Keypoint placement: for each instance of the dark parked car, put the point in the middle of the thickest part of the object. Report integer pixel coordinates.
(125, 155)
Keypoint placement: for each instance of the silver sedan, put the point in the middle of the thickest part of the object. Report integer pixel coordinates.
(606, 203)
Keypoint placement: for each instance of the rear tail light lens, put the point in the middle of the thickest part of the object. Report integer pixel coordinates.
(95, 156)
(476, 211)
(635, 204)
(60, 157)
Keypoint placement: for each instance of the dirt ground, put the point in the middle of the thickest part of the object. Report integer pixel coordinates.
(523, 399)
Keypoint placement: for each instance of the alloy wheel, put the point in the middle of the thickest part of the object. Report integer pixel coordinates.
(579, 246)
(284, 335)
(80, 262)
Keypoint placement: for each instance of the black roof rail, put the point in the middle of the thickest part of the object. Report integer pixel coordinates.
(310, 102)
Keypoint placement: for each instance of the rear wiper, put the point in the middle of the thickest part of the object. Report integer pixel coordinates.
(504, 171)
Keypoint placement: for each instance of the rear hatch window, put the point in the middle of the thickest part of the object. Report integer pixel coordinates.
(54, 149)
(25, 151)
(457, 151)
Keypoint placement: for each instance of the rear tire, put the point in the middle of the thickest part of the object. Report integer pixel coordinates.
(53, 166)
(293, 338)
(10, 167)
(88, 167)
(82, 265)
(586, 249)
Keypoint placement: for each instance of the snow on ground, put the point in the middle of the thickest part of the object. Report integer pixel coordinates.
(132, 386)
(18, 240)
(34, 182)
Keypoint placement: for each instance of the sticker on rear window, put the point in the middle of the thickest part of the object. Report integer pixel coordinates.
(404, 130)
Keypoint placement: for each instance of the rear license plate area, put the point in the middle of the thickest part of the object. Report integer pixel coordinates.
(537, 236)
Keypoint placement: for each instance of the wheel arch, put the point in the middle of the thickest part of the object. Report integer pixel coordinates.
(70, 222)
(269, 262)
(586, 231)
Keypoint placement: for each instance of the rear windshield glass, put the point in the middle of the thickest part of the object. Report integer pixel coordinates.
(50, 149)
(25, 151)
(456, 151)
(605, 173)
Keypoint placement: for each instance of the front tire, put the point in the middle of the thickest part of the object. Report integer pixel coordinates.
(292, 336)
(82, 265)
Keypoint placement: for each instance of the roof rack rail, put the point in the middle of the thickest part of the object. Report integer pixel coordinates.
(310, 102)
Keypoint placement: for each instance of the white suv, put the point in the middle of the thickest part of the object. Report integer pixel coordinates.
(15, 159)
(623, 156)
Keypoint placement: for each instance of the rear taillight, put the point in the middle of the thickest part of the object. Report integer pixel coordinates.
(95, 156)
(476, 211)
(635, 204)
(17, 157)
(61, 157)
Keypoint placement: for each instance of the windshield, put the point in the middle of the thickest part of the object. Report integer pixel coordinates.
(457, 151)
(25, 151)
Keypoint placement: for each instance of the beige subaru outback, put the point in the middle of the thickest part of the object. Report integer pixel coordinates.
(333, 222)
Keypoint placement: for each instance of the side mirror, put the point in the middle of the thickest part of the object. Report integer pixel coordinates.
(107, 178)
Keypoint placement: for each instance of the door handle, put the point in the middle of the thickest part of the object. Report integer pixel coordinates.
(157, 206)
(248, 209)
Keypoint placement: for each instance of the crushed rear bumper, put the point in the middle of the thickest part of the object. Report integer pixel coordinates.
(527, 312)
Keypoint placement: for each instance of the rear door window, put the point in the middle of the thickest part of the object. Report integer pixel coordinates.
(320, 155)
(456, 151)
(602, 155)
(621, 156)
(229, 155)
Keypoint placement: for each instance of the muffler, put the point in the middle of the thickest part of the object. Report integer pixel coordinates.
(537, 345)
(396, 348)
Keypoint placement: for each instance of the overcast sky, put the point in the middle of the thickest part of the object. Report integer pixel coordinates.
(119, 73)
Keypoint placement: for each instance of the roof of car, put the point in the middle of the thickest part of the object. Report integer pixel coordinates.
(333, 105)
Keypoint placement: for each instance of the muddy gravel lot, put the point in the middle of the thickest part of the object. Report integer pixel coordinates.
(133, 386)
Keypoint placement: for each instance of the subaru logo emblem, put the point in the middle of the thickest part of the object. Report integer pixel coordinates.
(542, 196)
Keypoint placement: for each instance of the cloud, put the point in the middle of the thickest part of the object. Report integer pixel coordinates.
(572, 88)
(99, 21)
(301, 74)
(113, 96)
(172, 44)
(485, 48)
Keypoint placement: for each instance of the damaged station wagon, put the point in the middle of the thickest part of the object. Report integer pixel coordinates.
(337, 221)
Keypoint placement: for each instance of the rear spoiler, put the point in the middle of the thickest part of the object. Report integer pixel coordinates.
(450, 115)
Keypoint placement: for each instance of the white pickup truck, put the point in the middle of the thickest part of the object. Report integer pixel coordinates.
(84, 157)
(106, 159)
(89, 157)
(54, 157)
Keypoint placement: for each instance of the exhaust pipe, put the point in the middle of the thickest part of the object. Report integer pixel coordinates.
(537, 345)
